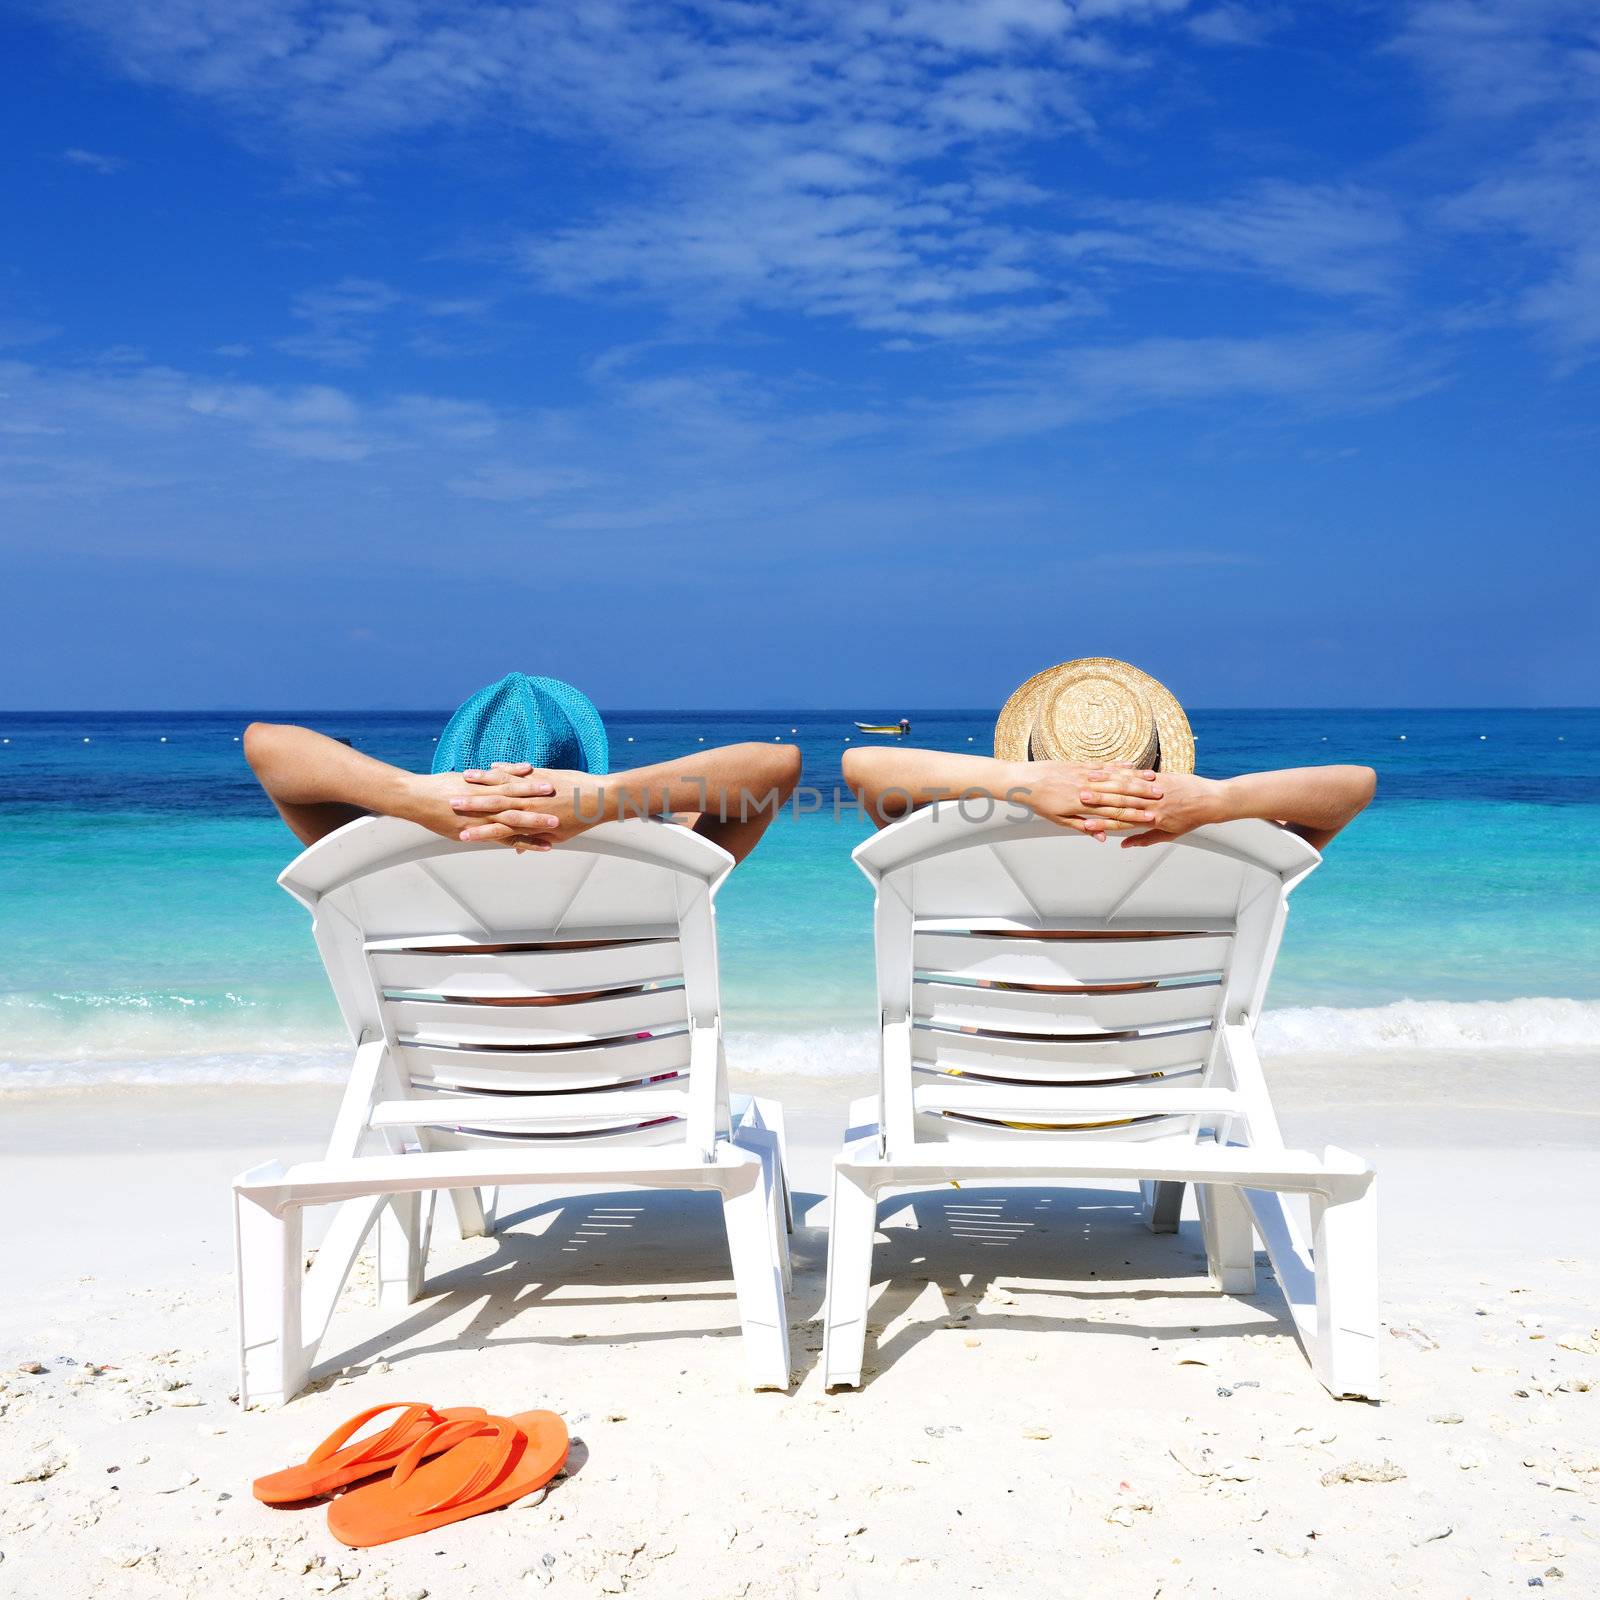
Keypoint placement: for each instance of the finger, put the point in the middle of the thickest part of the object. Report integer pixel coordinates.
(485, 805)
(488, 833)
(498, 773)
(1100, 798)
(523, 788)
(1135, 787)
(1123, 814)
(517, 788)
(529, 821)
(520, 821)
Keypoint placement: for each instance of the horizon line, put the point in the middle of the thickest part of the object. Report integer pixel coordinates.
(263, 712)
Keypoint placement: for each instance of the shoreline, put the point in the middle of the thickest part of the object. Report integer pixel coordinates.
(1555, 1028)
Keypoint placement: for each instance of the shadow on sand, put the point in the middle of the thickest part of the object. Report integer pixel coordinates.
(1067, 1251)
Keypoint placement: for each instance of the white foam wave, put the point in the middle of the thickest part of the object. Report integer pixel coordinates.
(197, 1071)
(1528, 1024)
(1405, 1025)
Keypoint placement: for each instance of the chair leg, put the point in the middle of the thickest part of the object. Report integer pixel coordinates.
(274, 1360)
(777, 1191)
(470, 1218)
(1163, 1205)
(764, 1141)
(851, 1232)
(772, 1115)
(400, 1254)
(757, 1279)
(1230, 1236)
(1344, 1249)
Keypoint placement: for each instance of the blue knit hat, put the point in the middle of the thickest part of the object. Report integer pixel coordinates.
(539, 720)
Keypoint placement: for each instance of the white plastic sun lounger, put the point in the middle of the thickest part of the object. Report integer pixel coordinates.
(1057, 1009)
(547, 1018)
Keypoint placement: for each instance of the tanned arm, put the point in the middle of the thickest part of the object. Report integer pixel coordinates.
(319, 784)
(733, 792)
(1150, 807)
(893, 780)
(1315, 802)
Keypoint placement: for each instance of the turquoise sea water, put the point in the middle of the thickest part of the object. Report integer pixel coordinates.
(143, 936)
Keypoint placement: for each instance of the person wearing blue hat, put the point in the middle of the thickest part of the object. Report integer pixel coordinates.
(524, 762)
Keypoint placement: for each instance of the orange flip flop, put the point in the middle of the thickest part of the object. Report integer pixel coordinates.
(335, 1462)
(476, 1466)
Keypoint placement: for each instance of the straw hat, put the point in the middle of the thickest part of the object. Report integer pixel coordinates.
(1095, 709)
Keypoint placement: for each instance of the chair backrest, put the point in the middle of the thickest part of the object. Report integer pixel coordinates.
(1013, 952)
(588, 969)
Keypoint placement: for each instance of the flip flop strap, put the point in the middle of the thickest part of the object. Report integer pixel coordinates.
(382, 1442)
(443, 1439)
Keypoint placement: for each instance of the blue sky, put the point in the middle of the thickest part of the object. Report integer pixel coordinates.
(818, 352)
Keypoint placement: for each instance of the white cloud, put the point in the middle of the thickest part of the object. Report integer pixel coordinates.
(129, 401)
(921, 170)
(507, 483)
(1293, 375)
(1237, 25)
(1523, 78)
(94, 162)
(785, 148)
(1328, 239)
(344, 321)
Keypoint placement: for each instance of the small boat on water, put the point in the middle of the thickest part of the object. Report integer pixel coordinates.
(898, 729)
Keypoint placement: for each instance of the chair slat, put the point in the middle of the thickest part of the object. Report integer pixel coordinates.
(537, 1114)
(1048, 1011)
(666, 1131)
(463, 974)
(1140, 1097)
(1071, 962)
(1059, 1060)
(592, 1067)
(627, 1012)
(959, 1128)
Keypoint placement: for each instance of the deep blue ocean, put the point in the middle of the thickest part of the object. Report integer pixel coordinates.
(143, 937)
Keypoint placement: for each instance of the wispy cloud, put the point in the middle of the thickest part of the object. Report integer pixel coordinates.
(1237, 25)
(343, 322)
(1291, 376)
(786, 151)
(1327, 239)
(508, 483)
(93, 161)
(116, 403)
(1524, 77)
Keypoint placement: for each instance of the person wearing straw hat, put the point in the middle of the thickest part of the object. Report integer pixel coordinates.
(1101, 747)
(524, 762)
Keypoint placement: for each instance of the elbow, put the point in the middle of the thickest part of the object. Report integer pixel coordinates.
(783, 767)
(854, 767)
(1361, 785)
(260, 738)
(789, 765)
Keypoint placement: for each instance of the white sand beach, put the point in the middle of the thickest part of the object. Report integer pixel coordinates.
(1056, 1400)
